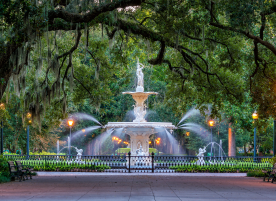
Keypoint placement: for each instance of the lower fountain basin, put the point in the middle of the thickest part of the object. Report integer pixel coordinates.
(140, 126)
(139, 133)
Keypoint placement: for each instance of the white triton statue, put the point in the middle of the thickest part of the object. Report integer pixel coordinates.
(79, 154)
(200, 156)
(140, 77)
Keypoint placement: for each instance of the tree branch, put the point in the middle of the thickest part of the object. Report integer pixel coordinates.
(160, 56)
(78, 18)
(247, 34)
(82, 85)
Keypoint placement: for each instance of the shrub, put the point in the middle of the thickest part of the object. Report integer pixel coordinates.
(255, 173)
(273, 160)
(4, 170)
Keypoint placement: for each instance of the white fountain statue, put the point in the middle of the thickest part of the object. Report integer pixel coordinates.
(140, 130)
(200, 156)
(79, 154)
(140, 77)
(140, 151)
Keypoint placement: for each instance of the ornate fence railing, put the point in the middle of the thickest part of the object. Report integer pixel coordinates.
(128, 163)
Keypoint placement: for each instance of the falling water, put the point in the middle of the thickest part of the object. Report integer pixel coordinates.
(119, 132)
(102, 138)
(165, 133)
(57, 146)
(173, 141)
(129, 117)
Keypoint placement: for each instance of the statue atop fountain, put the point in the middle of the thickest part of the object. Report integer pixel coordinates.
(140, 77)
(139, 95)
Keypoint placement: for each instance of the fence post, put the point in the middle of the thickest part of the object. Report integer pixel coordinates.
(129, 162)
(152, 162)
(45, 163)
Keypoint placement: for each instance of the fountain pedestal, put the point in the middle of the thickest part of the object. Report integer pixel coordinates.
(140, 132)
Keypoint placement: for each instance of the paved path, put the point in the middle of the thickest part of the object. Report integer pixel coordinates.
(138, 188)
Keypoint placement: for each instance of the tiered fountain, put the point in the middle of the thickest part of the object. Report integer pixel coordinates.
(140, 130)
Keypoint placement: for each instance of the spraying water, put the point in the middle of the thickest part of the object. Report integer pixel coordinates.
(194, 127)
(87, 117)
(191, 112)
(85, 131)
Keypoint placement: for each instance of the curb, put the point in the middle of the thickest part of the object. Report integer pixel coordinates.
(141, 174)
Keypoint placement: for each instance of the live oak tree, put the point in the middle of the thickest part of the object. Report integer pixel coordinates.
(213, 50)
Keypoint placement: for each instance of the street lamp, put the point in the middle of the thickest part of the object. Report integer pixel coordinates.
(29, 115)
(211, 124)
(2, 107)
(70, 123)
(255, 116)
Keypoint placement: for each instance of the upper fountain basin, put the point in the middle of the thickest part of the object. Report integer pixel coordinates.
(140, 97)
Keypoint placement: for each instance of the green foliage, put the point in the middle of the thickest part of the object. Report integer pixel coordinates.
(4, 169)
(228, 166)
(273, 160)
(202, 65)
(62, 164)
(45, 153)
(255, 173)
(123, 150)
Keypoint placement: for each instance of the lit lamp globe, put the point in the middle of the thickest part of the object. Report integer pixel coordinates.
(255, 115)
(29, 116)
(2, 106)
(211, 123)
(70, 122)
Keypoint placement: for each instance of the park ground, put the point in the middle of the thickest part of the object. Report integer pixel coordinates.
(138, 187)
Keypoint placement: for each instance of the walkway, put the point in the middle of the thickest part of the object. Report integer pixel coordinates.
(138, 187)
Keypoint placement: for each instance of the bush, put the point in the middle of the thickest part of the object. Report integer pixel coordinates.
(42, 153)
(4, 170)
(123, 150)
(273, 160)
(256, 173)
(7, 153)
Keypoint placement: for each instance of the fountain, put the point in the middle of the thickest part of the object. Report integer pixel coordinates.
(140, 130)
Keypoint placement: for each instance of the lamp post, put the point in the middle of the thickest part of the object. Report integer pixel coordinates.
(29, 115)
(211, 124)
(2, 107)
(255, 117)
(70, 123)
